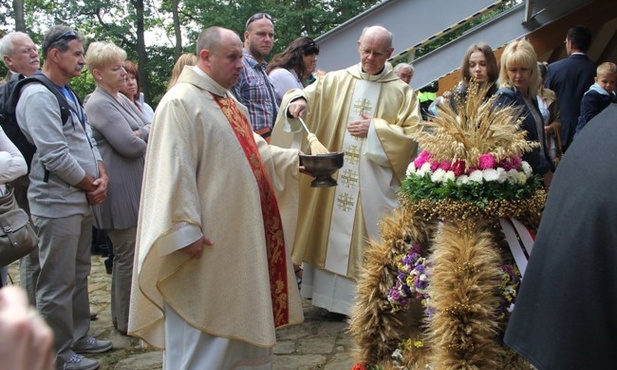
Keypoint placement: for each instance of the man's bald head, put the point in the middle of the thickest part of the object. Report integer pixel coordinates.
(219, 53)
(375, 47)
(379, 33)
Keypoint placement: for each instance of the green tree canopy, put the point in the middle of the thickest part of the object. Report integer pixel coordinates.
(127, 23)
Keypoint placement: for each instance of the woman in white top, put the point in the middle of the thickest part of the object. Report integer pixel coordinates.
(12, 166)
(288, 69)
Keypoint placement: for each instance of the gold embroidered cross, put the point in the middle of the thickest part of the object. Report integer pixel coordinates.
(349, 178)
(352, 154)
(345, 202)
(362, 106)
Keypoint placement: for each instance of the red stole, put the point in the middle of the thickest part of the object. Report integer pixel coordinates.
(275, 243)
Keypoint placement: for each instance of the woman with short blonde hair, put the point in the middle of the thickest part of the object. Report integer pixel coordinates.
(121, 133)
(520, 54)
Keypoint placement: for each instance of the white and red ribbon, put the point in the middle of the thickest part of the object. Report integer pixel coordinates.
(520, 240)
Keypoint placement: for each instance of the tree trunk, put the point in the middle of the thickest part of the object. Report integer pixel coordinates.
(20, 22)
(177, 31)
(142, 55)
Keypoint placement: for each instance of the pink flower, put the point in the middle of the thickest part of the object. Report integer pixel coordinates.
(445, 165)
(458, 168)
(512, 163)
(486, 161)
(421, 159)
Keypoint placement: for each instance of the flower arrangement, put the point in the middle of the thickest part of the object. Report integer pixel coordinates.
(510, 178)
(411, 280)
(438, 289)
(510, 281)
(473, 157)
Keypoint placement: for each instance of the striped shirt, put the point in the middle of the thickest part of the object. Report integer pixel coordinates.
(256, 92)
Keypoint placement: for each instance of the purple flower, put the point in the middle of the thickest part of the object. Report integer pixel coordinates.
(394, 295)
(408, 285)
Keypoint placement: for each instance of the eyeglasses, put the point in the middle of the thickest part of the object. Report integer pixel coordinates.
(257, 16)
(68, 34)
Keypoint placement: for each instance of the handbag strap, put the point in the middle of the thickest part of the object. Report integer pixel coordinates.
(7, 201)
(558, 144)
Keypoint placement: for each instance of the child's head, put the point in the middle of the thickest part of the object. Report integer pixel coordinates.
(606, 76)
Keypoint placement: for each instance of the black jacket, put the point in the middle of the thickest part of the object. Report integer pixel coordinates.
(565, 314)
(540, 164)
(569, 78)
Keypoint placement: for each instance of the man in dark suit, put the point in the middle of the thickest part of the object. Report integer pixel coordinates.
(570, 78)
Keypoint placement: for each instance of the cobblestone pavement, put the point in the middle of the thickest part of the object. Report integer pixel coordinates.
(321, 342)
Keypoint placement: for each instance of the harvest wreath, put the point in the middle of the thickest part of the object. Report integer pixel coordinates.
(436, 291)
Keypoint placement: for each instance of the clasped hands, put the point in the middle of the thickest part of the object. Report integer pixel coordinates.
(98, 195)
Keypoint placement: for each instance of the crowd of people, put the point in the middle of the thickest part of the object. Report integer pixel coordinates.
(191, 273)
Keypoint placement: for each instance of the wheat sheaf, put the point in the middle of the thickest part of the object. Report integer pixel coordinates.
(480, 128)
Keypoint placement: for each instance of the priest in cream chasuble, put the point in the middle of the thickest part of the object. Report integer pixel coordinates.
(335, 224)
(209, 176)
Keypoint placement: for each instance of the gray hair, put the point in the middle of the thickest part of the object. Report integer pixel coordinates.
(400, 66)
(7, 43)
(53, 39)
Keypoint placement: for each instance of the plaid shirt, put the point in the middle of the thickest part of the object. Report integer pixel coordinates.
(256, 92)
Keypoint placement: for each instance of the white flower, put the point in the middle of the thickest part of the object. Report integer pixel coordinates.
(490, 174)
(426, 168)
(438, 175)
(526, 168)
(476, 176)
(423, 277)
(502, 175)
(462, 180)
(522, 178)
(449, 176)
(411, 169)
(512, 176)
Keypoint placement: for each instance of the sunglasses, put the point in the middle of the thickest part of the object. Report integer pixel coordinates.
(256, 17)
(69, 34)
(310, 48)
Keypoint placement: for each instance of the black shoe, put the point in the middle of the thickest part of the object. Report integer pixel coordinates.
(96, 250)
(109, 265)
